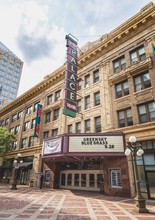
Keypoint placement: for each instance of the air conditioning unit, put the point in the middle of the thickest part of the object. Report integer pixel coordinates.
(87, 85)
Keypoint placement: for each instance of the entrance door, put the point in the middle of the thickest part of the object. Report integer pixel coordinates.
(151, 184)
(81, 179)
(23, 177)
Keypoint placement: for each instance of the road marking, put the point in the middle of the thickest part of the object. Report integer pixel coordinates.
(90, 210)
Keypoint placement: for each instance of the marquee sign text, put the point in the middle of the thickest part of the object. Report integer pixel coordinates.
(96, 143)
(71, 78)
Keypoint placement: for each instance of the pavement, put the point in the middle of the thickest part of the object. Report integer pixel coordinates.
(31, 203)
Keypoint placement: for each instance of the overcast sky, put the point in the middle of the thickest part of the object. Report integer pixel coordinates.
(34, 30)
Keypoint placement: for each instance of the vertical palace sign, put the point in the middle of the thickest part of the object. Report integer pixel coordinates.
(71, 77)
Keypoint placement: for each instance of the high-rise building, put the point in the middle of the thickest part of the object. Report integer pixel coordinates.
(10, 73)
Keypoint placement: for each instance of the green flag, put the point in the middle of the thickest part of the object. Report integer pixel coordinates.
(38, 120)
(153, 48)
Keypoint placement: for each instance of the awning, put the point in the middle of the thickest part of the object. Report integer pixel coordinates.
(25, 164)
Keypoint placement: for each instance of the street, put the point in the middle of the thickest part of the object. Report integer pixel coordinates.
(32, 203)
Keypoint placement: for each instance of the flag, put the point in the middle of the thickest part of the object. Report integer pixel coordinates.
(38, 120)
(153, 48)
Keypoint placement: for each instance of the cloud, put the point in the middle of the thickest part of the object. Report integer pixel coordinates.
(33, 47)
(38, 35)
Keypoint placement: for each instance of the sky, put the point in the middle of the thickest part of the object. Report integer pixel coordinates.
(34, 30)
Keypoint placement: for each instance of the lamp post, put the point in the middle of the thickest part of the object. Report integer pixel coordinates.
(135, 149)
(17, 161)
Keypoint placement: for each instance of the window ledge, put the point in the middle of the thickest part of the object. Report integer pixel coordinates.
(123, 97)
(97, 106)
(143, 90)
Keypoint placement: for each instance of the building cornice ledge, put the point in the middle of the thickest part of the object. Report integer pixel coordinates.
(111, 40)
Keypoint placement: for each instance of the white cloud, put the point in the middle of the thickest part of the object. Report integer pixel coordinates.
(34, 18)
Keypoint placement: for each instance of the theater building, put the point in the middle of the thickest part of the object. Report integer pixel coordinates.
(116, 99)
(87, 161)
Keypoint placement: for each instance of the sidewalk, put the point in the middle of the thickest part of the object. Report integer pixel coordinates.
(30, 203)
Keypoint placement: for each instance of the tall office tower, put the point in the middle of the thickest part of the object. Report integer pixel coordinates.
(10, 73)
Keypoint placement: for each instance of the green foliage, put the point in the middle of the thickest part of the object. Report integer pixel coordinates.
(6, 142)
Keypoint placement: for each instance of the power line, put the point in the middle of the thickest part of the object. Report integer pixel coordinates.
(90, 36)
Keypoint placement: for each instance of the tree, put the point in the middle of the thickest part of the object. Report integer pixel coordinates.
(6, 142)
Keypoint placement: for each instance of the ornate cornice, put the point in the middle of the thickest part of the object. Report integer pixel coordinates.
(25, 151)
(134, 25)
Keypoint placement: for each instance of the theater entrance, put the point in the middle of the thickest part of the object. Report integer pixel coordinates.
(90, 180)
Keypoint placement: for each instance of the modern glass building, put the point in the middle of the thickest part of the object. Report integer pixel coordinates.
(10, 73)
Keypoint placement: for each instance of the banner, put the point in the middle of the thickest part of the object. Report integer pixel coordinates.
(70, 102)
(52, 146)
(38, 120)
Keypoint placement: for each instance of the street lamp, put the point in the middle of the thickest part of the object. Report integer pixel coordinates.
(135, 149)
(17, 161)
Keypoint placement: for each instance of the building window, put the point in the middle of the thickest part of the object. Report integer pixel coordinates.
(122, 89)
(17, 129)
(78, 127)
(49, 99)
(57, 95)
(54, 132)
(137, 55)
(125, 118)
(142, 81)
(47, 117)
(46, 134)
(96, 98)
(31, 141)
(79, 105)
(12, 130)
(24, 143)
(96, 76)
(29, 110)
(14, 117)
(87, 102)
(115, 178)
(149, 161)
(33, 123)
(70, 128)
(79, 85)
(27, 125)
(87, 125)
(15, 145)
(56, 114)
(35, 106)
(2, 123)
(146, 112)
(98, 124)
(119, 64)
(19, 115)
(7, 121)
(87, 81)
(149, 144)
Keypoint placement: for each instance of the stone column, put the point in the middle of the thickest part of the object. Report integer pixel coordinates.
(105, 96)
(36, 168)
